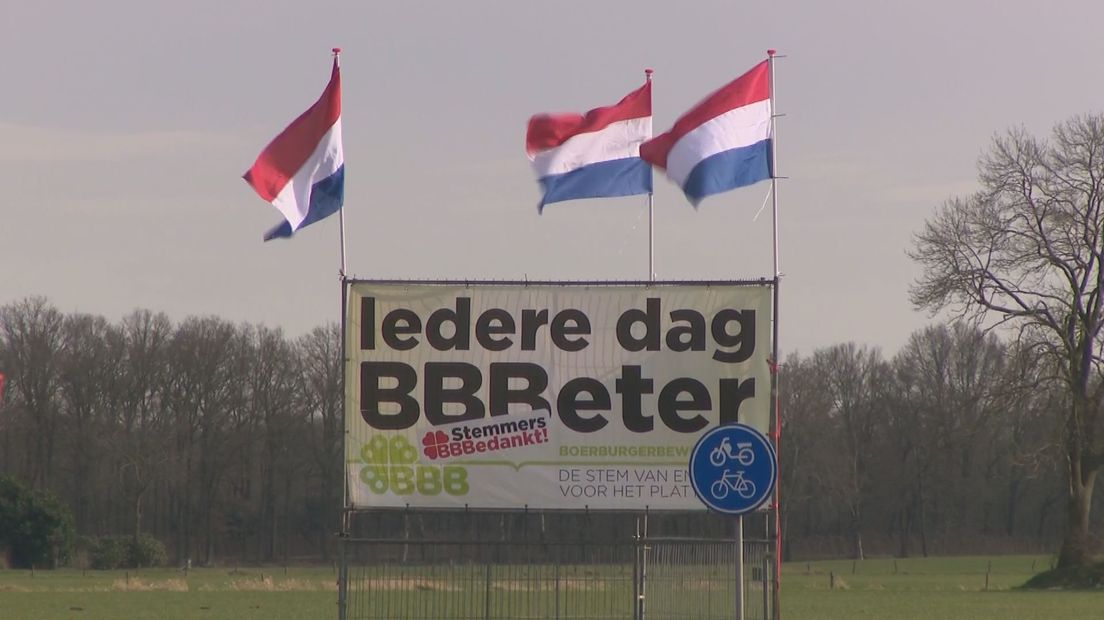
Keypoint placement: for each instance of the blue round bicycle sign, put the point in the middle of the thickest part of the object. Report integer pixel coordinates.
(733, 469)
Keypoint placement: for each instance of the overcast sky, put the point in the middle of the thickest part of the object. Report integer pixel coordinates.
(125, 127)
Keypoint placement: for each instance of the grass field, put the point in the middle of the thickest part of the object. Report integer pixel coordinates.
(168, 594)
(929, 589)
(920, 589)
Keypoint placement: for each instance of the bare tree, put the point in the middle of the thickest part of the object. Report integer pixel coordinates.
(88, 373)
(805, 410)
(852, 378)
(273, 396)
(144, 424)
(205, 390)
(1027, 250)
(951, 388)
(321, 366)
(31, 331)
(1033, 457)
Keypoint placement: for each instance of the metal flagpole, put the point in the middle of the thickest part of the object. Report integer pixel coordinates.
(341, 215)
(771, 55)
(344, 300)
(776, 422)
(343, 575)
(642, 554)
(651, 211)
(651, 238)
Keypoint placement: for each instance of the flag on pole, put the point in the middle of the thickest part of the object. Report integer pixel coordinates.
(592, 155)
(302, 171)
(722, 143)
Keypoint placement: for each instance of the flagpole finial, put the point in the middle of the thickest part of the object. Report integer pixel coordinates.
(336, 51)
(648, 73)
(771, 52)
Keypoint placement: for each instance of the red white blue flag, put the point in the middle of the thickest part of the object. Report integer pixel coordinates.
(302, 171)
(593, 155)
(722, 143)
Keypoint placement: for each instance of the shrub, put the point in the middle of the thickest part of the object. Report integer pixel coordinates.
(111, 552)
(35, 528)
(147, 551)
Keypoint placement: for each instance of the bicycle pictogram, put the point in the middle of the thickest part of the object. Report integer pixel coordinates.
(723, 453)
(734, 481)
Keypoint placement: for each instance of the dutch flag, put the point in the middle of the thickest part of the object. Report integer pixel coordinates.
(722, 143)
(593, 155)
(302, 171)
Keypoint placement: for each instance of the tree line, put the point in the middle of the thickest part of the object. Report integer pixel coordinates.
(950, 446)
(224, 441)
(221, 440)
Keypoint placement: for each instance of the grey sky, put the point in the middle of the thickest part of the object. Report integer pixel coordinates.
(125, 127)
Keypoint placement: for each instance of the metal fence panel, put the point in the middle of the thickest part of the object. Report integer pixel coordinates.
(634, 579)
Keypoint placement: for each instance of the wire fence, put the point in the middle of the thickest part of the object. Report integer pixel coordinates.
(697, 579)
(633, 579)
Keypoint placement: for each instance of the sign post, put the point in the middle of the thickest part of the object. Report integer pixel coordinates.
(733, 470)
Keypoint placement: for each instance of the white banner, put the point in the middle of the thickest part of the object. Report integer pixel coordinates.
(546, 396)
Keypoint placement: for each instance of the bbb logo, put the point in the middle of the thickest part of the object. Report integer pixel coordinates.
(391, 465)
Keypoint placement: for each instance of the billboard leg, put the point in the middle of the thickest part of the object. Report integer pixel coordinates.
(740, 567)
(342, 579)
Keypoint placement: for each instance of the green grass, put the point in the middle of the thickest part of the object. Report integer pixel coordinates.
(167, 605)
(929, 589)
(216, 594)
(910, 589)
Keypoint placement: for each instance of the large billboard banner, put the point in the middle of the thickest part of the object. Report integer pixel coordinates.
(546, 395)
